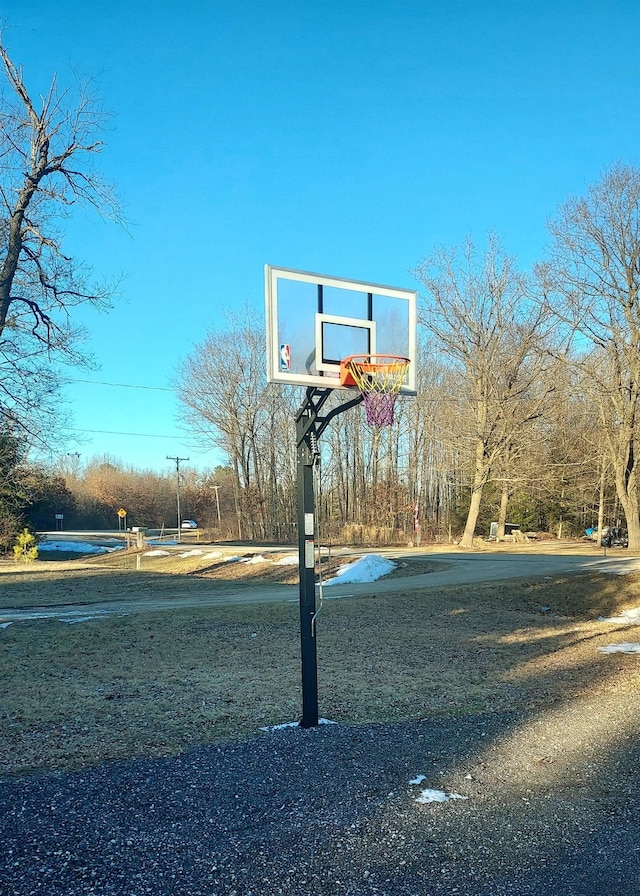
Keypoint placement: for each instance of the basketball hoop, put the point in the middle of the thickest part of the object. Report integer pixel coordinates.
(379, 378)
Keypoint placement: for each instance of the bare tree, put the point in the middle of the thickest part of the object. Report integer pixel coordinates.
(430, 449)
(46, 154)
(228, 403)
(592, 280)
(481, 313)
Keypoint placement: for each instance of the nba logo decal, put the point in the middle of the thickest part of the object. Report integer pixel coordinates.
(285, 357)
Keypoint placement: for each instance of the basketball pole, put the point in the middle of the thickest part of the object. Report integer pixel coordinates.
(309, 427)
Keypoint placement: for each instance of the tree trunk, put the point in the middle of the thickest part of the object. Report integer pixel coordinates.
(601, 505)
(630, 507)
(633, 530)
(502, 513)
(472, 517)
(626, 477)
(480, 476)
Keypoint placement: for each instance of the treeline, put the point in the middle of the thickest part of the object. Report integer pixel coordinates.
(66, 495)
(372, 485)
(527, 409)
(368, 484)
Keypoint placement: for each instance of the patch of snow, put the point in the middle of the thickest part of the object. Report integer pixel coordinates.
(213, 555)
(5, 624)
(157, 553)
(255, 558)
(429, 795)
(284, 725)
(291, 560)
(234, 559)
(418, 779)
(194, 553)
(438, 796)
(367, 569)
(76, 547)
(620, 648)
(630, 617)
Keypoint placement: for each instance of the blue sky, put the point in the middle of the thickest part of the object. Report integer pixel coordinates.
(346, 138)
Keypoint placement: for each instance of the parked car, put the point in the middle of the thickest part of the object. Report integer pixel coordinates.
(614, 536)
(189, 524)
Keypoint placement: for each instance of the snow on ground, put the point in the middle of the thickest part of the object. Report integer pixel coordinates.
(438, 796)
(284, 725)
(620, 648)
(428, 795)
(630, 617)
(77, 547)
(291, 560)
(367, 569)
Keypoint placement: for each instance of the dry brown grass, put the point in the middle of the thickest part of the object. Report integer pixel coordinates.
(155, 683)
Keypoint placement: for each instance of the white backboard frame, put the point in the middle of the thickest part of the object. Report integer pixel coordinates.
(369, 329)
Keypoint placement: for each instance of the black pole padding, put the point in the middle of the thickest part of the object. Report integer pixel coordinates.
(306, 566)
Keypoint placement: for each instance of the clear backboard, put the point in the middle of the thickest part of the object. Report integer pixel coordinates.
(314, 322)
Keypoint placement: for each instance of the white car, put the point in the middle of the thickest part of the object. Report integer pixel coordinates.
(189, 524)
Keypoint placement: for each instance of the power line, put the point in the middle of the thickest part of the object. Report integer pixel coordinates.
(120, 385)
(143, 435)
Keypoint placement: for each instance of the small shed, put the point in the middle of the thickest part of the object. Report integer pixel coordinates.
(509, 529)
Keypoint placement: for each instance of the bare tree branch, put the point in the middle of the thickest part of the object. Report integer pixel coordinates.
(482, 313)
(46, 168)
(593, 285)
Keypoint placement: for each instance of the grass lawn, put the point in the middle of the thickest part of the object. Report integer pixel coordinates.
(155, 683)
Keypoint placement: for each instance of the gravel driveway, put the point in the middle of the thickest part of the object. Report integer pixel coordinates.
(332, 811)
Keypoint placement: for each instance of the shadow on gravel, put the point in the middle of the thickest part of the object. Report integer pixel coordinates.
(328, 811)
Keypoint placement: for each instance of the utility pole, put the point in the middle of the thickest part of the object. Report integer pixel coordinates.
(177, 462)
(75, 462)
(215, 488)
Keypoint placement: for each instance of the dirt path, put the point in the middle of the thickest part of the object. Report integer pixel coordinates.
(77, 597)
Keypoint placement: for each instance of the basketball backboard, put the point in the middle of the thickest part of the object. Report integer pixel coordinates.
(314, 321)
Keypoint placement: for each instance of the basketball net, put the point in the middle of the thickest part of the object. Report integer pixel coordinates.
(379, 379)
